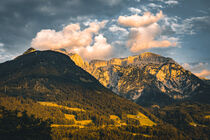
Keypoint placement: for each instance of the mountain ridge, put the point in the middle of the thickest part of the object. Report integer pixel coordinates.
(146, 78)
(146, 75)
(50, 86)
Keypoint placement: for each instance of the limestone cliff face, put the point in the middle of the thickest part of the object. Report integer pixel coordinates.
(144, 76)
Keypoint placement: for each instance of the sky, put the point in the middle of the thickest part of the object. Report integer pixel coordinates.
(103, 29)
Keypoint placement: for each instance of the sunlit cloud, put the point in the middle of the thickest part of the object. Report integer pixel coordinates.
(70, 37)
(145, 31)
(75, 40)
(203, 73)
(144, 38)
(199, 69)
(140, 21)
(99, 50)
(196, 67)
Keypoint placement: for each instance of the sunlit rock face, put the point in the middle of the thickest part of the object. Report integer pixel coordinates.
(144, 76)
(79, 61)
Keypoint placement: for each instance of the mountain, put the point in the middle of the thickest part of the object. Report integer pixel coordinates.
(45, 95)
(147, 79)
(47, 87)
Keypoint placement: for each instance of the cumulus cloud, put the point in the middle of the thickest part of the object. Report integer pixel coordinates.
(144, 38)
(140, 21)
(99, 50)
(70, 37)
(75, 40)
(144, 32)
(203, 73)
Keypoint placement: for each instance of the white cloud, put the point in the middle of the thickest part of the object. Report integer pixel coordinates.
(153, 5)
(99, 50)
(73, 39)
(134, 10)
(203, 73)
(115, 28)
(70, 37)
(171, 2)
(189, 25)
(144, 38)
(145, 33)
(195, 67)
(199, 69)
(168, 2)
(1, 44)
(139, 21)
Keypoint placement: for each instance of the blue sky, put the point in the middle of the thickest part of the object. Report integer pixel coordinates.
(99, 29)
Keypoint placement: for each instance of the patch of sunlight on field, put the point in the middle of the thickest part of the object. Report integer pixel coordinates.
(80, 122)
(145, 135)
(193, 124)
(51, 104)
(144, 120)
(207, 117)
(117, 120)
(114, 117)
(196, 124)
(83, 122)
(69, 117)
(66, 125)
